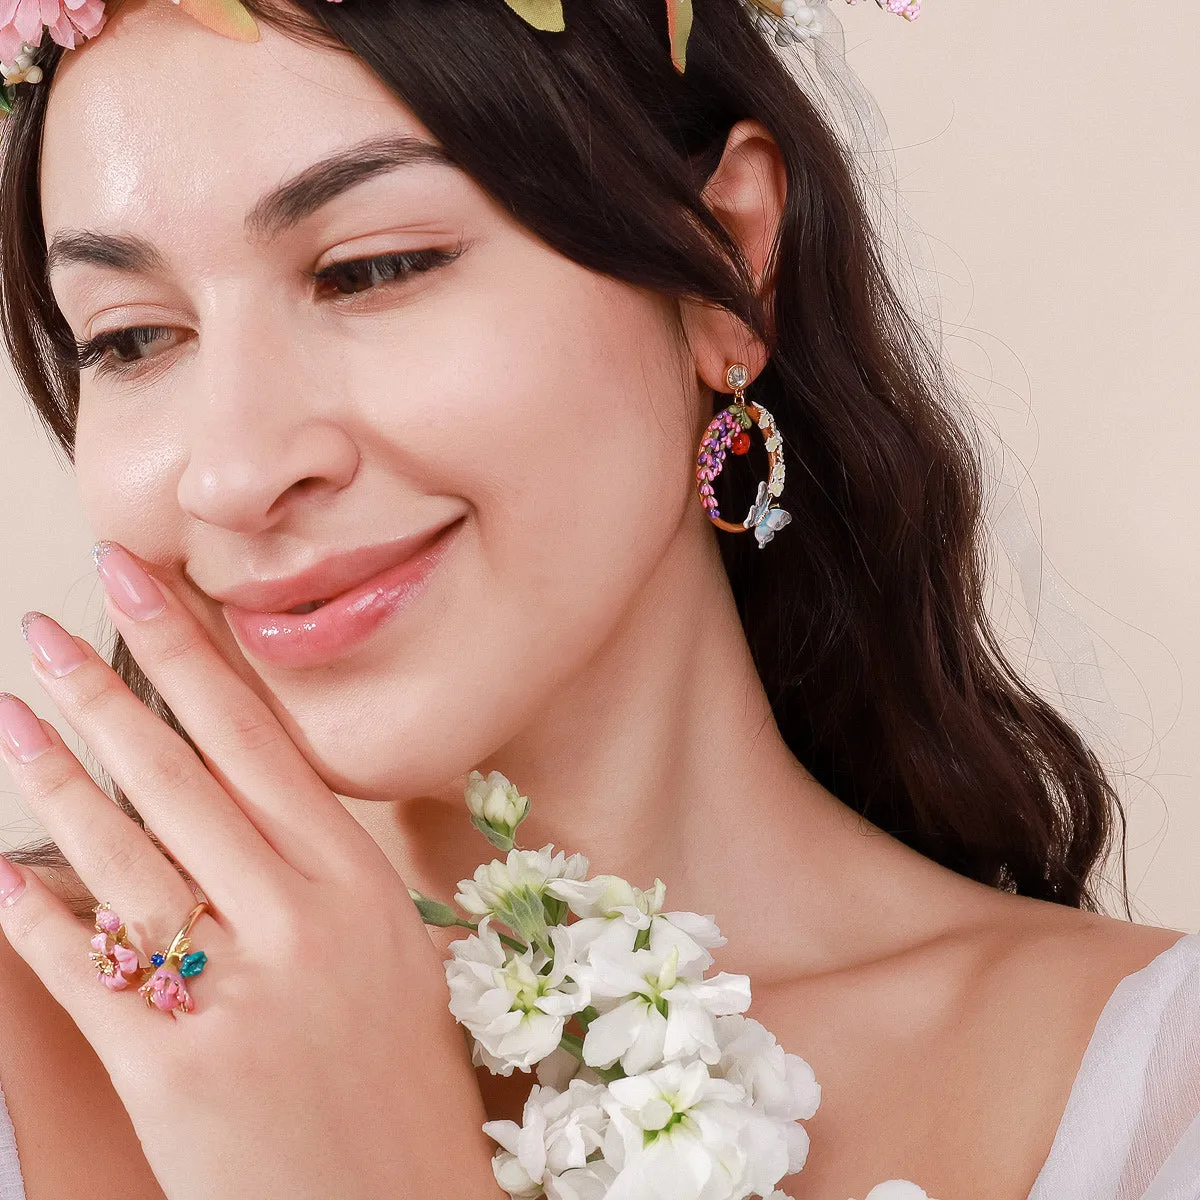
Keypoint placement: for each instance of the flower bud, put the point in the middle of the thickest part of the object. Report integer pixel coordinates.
(496, 807)
(433, 912)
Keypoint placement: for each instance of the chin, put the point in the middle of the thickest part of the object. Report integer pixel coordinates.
(386, 750)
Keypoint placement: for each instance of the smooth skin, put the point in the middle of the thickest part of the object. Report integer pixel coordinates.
(580, 636)
(318, 942)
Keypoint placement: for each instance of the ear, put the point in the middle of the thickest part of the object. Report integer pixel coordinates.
(746, 193)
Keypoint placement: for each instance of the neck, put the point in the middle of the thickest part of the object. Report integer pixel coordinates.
(662, 758)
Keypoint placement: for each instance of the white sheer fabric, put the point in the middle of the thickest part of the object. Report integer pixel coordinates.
(11, 1185)
(1131, 1128)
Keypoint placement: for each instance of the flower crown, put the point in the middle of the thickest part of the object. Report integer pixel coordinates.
(23, 24)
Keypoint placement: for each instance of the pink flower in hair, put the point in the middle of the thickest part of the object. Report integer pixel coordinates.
(69, 21)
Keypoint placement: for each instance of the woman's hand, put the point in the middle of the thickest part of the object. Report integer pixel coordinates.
(320, 1059)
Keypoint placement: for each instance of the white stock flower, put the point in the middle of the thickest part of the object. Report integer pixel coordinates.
(678, 1132)
(513, 1177)
(496, 883)
(619, 931)
(582, 1183)
(496, 807)
(897, 1189)
(613, 912)
(782, 1085)
(558, 1131)
(515, 1014)
(611, 896)
(658, 1017)
(560, 1066)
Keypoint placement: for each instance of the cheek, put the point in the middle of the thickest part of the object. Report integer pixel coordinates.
(121, 467)
(576, 442)
(562, 417)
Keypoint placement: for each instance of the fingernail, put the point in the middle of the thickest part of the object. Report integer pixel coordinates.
(22, 733)
(130, 588)
(12, 882)
(52, 644)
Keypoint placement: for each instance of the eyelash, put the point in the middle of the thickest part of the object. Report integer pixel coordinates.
(100, 351)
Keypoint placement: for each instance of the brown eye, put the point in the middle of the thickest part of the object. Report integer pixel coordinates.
(117, 351)
(362, 274)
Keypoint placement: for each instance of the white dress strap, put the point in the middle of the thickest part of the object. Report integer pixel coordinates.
(1131, 1128)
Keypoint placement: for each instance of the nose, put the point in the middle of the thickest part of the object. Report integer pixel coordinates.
(261, 433)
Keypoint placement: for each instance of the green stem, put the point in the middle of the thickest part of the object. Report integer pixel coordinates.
(608, 1074)
(520, 947)
(572, 1045)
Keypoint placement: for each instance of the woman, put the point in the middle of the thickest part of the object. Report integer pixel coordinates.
(410, 293)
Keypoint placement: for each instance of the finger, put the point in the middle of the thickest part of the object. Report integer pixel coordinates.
(112, 855)
(243, 742)
(191, 814)
(42, 930)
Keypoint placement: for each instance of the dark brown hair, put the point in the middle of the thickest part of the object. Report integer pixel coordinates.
(868, 623)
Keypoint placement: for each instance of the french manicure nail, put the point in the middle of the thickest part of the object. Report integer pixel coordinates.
(23, 735)
(53, 645)
(130, 588)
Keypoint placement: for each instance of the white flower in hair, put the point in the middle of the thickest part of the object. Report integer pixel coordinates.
(802, 17)
(514, 1012)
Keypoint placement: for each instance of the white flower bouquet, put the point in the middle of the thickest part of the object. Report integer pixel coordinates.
(652, 1085)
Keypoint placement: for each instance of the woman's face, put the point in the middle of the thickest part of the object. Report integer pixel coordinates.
(543, 415)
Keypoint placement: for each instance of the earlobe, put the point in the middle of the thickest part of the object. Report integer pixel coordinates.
(716, 339)
(746, 193)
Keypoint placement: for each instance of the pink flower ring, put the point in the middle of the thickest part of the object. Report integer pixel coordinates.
(115, 960)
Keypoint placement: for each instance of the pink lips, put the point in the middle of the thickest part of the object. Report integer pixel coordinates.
(317, 637)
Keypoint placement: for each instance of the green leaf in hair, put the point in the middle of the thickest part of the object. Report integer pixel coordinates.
(541, 14)
(229, 18)
(679, 25)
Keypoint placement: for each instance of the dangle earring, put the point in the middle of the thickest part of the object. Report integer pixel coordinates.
(728, 431)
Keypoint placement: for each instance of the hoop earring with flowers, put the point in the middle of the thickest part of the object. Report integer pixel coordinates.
(729, 431)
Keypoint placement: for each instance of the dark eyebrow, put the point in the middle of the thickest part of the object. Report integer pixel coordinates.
(274, 213)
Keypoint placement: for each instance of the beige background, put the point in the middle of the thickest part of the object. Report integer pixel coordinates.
(1051, 159)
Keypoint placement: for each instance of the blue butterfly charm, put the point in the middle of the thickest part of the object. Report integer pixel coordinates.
(765, 519)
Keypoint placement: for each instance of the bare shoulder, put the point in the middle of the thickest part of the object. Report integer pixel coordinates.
(59, 1096)
(927, 1047)
(1035, 947)
(1046, 974)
